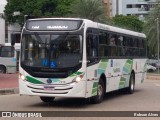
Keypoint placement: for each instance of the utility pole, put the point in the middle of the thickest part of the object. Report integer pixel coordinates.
(158, 41)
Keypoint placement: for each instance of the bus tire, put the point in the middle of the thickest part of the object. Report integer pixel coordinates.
(47, 99)
(131, 87)
(100, 93)
(2, 69)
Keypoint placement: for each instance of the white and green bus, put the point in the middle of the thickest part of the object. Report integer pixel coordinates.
(9, 58)
(71, 57)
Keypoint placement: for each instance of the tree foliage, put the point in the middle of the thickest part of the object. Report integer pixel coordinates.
(150, 29)
(45, 8)
(89, 9)
(128, 22)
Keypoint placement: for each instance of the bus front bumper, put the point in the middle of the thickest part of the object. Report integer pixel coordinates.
(76, 90)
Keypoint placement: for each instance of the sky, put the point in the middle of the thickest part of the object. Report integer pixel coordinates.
(2, 5)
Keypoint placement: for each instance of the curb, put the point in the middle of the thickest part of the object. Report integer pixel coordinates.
(153, 78)
(7, 91)
(150, 74)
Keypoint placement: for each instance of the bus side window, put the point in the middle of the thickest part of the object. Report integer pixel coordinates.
(112, 40)
(92, 47)
(92, 44)
(7, 51)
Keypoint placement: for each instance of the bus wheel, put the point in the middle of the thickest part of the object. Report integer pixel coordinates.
(2, 69)
(47, 99)
(100, 93)
(131, 87)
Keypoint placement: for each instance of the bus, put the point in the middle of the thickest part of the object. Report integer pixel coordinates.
(79, 58)
(9, 56)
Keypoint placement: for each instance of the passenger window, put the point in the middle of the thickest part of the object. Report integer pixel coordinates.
(124, 41)
(131, 42)
(92, 47)
(120, 41)
(92, 43)
(140, 44)
(136, 42)
(112, 40)
(103, 38)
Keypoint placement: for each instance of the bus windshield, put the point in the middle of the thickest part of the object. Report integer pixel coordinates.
(51, 50)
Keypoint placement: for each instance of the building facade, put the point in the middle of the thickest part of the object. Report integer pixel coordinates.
(139, 8)
(108, 5)
(8, 32)
(2, 22)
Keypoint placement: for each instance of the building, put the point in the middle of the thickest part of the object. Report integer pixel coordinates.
(8, 32)
(2, 22)
(139, 8)
(108, 5)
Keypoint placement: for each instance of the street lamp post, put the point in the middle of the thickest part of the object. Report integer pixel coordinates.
(158, 41)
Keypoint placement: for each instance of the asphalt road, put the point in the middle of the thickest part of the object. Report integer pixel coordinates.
(145, 98)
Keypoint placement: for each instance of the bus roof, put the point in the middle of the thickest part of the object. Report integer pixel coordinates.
(113, 28)
(92, 24)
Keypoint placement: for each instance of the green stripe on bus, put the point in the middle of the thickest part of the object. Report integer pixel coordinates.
(94, 88)
(122, 83)
(95, 84)
(33, 80)
(78, 73)
(75, 74)
(127, 68)
(123, 79)
(104, 60)
(94, 91)
(144, 72)
(129, 61)
(102, 66)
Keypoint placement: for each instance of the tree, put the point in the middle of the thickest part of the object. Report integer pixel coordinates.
(63, 7)
(128, 22)
(89, 9)
(39, 8)
(150, 28)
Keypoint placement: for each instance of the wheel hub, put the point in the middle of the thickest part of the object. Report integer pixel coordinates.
(100, 90)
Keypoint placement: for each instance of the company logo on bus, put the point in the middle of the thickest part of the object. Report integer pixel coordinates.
(49, 81)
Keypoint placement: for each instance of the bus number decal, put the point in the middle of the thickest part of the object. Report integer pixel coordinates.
(45, 62)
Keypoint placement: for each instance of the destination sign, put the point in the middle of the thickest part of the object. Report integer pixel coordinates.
(53, 25)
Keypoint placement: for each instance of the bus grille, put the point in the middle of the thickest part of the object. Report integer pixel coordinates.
(50, 89)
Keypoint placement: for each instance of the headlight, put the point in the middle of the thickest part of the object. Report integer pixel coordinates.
(22, 76)
(78, 78)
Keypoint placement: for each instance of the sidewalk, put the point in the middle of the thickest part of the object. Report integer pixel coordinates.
(153, 76)
(8, 84)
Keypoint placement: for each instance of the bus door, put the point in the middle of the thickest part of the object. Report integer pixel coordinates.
(92, 63)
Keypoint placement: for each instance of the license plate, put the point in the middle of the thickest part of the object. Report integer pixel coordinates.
(48, 88)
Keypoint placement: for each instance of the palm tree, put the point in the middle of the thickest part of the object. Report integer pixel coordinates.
(90, 9)
(150, 28)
